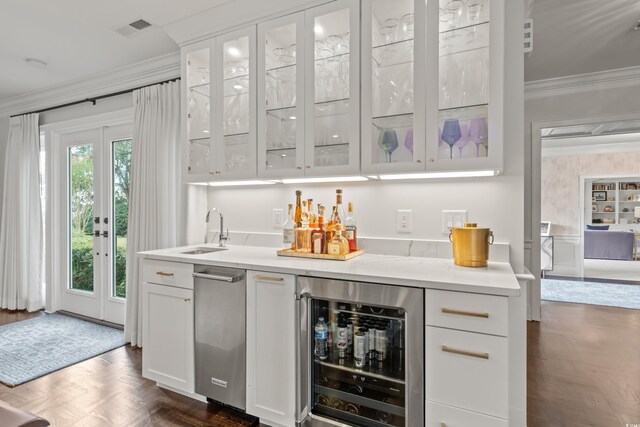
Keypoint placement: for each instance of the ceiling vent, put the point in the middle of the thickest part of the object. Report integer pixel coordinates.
(133, 28)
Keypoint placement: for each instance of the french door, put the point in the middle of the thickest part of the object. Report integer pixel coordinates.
(94, 166)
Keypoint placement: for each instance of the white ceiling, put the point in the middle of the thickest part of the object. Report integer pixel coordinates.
(77, 38)
(582, 36)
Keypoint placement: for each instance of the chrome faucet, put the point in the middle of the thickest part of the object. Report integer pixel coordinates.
(222, 237)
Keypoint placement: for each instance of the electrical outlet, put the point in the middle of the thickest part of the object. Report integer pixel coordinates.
(277, 218)
(453, 219)
(403, 221)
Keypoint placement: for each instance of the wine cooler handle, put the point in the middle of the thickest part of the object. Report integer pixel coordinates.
(302, 360)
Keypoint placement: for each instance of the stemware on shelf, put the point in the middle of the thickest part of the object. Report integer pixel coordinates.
(388, 30)
(388, 141)
(408, 140)
(451, 133)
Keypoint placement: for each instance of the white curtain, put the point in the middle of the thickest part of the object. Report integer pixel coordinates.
(21, 229)
(154, 197)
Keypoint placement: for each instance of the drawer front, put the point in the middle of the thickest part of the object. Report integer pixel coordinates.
(167, 273)
(467, 370)
(447, 416)
(487, 314)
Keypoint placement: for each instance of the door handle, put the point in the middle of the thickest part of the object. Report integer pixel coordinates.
(229, 279)
(270, 278)
(105, 234)
(465, 313)
(465, 352)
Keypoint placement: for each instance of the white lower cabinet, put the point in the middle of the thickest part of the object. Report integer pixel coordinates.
(271, 347)
(467, 370)
(447, 416)
(167, 336)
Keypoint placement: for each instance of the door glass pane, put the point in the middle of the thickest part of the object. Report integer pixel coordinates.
(360, 376)
(331, 96)
(198, 111)
(392, 80)
(236, 104)
(80, 161)
(280, 93)
(464, 79)
(120, 178)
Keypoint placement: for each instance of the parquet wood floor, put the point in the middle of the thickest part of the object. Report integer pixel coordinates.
(109, 390)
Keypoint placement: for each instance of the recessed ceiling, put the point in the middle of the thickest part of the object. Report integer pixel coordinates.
(582, 36)
(78, 38)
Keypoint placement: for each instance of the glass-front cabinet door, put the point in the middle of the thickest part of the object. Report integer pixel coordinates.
(332, 89)
(234, 114)
(196, 74)
(464, 115)
(393, 52)
(281, 97)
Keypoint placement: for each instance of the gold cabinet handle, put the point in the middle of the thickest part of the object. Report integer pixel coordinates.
(187, 299)
(465, 353)
(443, 425)
(465, 313)
(270, 278)
(163, 273)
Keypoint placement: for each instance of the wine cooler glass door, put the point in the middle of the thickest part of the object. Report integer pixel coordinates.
(359, 367)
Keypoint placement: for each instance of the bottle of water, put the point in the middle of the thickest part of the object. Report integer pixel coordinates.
(321, 335)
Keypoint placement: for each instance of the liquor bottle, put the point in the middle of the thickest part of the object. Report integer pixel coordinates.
(339, 207)
(312, 216)
(297, 217)
(288, 235)
(338, 245)
(321, 335)
(331, 224)
(303, 236)
(351, 227)
(318, 240)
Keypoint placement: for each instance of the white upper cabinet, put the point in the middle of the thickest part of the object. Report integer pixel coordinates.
(465, 57)
(332, 89)
(281, 97)
(393, 99)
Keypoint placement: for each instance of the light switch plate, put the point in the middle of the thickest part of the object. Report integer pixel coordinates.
(453, 219)
(277, 218)
(403, 221)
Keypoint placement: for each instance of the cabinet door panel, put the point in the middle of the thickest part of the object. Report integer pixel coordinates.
(167, 355)
(281, 97)
(393, 43)
(332, 95)
(271, 347)
(448, 416)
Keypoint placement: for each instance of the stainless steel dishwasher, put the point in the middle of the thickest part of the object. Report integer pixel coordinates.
(220, 298)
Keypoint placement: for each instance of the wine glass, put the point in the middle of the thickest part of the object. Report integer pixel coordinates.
(464, 139)
(388, 30)
(478, 132)
(388, 141)
(408, 140)
(451, 133)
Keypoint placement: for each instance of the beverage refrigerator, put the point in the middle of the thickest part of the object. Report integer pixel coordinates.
(363, 362)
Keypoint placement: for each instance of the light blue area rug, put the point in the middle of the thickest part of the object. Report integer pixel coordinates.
(36, 347)
(609, 294)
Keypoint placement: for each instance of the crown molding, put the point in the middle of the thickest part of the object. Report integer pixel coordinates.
(609, 79)
(139, 74)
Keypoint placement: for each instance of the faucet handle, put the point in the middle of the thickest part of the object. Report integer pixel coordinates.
(224, 238)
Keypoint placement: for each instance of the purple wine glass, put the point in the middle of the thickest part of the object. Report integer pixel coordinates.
(451, 133)
(408, 140)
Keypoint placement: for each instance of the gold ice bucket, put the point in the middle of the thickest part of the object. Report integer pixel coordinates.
(471, 245)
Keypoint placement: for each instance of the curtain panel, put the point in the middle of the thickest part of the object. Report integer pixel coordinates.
(155, 188)
(21, 229)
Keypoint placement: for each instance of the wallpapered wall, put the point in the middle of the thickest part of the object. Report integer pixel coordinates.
(561, 184)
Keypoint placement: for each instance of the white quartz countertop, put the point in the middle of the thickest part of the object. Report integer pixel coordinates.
(497, 279)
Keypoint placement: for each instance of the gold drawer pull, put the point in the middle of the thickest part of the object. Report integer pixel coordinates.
(465, 353)
(187, 299)
(270, 278)
(465, 313)
(163, 273)
(443, 425)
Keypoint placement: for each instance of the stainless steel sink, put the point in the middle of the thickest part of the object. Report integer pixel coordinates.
(200, 251)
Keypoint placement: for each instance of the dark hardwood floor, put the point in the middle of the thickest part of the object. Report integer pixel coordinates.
(583, 370)
(583, 366)
(109, 390)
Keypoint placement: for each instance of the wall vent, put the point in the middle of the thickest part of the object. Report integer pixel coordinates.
(133, 27)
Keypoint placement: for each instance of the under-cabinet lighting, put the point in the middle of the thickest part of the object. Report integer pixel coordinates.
(431, 175)
(238, 183)
(292, 117)
(324, 179)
